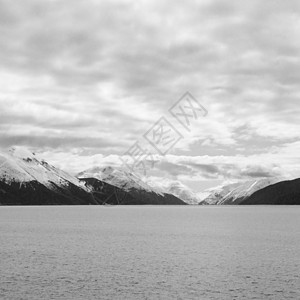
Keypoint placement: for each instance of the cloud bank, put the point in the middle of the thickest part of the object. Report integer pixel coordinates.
(91, 77)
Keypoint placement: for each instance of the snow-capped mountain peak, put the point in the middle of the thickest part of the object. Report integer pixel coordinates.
(175, 188)
(21, 152)
(234, 193)
(21, 165)
(118, 177)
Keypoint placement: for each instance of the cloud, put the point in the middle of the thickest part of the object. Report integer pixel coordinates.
(210, 169)
(95, 75)
(257, 172)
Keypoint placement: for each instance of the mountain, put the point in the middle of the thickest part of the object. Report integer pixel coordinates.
(235, 193)
(177, 189)
(281, 193)
(105, 193)
(117, 177)
(27, 180)
(139, 191)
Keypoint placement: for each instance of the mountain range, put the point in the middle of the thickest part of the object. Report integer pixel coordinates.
(236, 193)
(27, 179)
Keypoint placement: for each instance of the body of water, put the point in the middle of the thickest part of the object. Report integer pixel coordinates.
(150, 252)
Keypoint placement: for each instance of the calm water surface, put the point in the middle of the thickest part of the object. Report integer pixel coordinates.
(150, 252)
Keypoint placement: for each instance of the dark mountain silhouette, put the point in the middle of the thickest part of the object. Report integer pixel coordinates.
(35, 193)
(281, 193)
(109, 194)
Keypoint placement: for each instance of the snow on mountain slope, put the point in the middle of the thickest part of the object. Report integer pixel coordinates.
(177, 189)
(20, 165)
(119, 178)
(25, 179)
(281, 193)
(236, 192)
(139, 192)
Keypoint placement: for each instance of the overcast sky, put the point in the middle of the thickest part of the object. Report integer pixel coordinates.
(82, 81)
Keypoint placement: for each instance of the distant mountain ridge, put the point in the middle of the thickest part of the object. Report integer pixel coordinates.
(139, 191)
(179, 190)
(117, 177)
(235, 193)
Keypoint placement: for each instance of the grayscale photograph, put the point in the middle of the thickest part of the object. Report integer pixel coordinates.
(149, 150)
